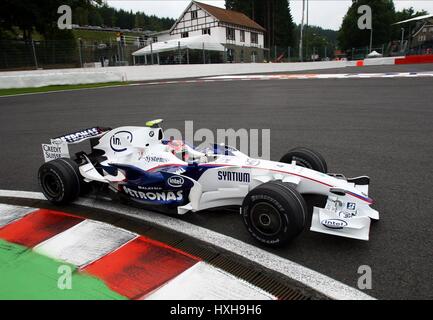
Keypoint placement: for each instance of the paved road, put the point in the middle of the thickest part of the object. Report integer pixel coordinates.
(379, 127)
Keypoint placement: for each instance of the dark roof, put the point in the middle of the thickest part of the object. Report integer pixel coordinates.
(229, 16)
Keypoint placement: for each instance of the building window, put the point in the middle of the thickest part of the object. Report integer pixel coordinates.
(242, 36)
(154, 39)
(254, 37)
(230, 34)
(184, 35)
(194, 15)
(205, 31)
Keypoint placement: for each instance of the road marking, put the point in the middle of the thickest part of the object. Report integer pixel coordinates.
(140, 266)
(427, 74)
(84, 243)
(194, 284)
(11, 213)
(37, 227)
(305, 277)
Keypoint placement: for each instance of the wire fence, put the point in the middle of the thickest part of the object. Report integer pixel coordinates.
(21, 55)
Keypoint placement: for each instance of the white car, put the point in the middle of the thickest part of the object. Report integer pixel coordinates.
(136, 163)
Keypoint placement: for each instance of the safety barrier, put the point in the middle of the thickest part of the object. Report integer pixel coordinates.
(428, 58)
(40, 78)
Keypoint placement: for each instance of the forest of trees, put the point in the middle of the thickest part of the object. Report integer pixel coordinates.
(29, 16)
(111, 17)
(384, 16)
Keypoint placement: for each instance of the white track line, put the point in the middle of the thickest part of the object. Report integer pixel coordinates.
(205, 282)
(85, 242)
(313, 76)
(323, 284)
(9, 213)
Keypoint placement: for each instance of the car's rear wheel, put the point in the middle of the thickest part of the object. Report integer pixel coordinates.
(307, 158)
(274, 213)
(60, 180)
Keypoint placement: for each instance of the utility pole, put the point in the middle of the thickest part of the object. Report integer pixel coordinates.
(402, 39)
(34, 54)
(307, 29)
(301, 38)
(79, 52)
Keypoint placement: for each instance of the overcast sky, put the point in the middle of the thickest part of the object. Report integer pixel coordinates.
(324, 13)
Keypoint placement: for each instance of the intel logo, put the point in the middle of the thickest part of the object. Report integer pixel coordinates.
(118, 140)
(175, 182)
(334, 223)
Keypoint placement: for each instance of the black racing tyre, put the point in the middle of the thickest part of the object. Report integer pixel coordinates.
(307, 158)
(60, 180)
(274, 213)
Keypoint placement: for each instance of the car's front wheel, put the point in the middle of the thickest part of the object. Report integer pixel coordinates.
(274, 213)
(60, 180)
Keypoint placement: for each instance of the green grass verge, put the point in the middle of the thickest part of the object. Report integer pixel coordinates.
(8, 92)
(27, 275)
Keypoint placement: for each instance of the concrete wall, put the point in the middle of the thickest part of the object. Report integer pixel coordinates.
(39, 78)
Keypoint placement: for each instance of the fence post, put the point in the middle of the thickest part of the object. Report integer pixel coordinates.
(204, 55)
(34, 54)
(151, 52)
(79, 52)
(179, 53)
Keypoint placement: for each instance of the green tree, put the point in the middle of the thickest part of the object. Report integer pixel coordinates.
(95, 18)
(273, 15)
(80, 16)
(350, 36)
(38, 15)
(139, 20)
(108, 15)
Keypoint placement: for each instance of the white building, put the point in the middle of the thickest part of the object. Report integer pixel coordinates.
(242, 37)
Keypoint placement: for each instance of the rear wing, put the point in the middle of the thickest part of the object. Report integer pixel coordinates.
(58, 148)
(80, 136)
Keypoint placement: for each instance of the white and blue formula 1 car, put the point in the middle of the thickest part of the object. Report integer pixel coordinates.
(136, 163)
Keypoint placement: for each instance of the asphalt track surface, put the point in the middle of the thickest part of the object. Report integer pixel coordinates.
(379, 127)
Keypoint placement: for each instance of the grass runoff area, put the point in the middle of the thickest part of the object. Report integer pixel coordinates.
(25, 274)
(13, 91)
